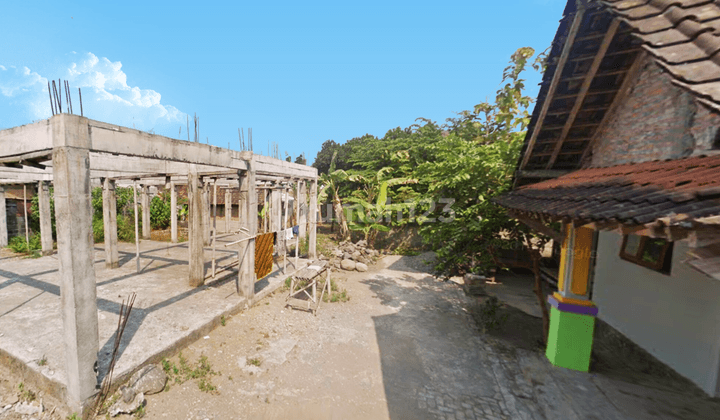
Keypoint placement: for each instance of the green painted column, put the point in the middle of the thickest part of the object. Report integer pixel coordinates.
(570, 337)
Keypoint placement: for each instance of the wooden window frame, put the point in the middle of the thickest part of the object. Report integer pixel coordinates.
(663, 265)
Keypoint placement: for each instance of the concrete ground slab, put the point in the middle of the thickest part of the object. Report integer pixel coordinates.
(167, 313)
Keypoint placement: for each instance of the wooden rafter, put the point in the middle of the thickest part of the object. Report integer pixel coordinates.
(537, 226)
(574, 28)
(584, 88)
(619, 97)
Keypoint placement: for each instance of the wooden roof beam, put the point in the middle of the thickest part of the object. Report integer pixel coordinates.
(572, 33)
(617, 100)
(584, 88)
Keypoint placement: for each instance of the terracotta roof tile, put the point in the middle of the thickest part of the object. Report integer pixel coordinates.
(632, 193)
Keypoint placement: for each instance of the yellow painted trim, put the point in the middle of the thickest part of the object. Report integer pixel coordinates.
(563, 299)
(582, 249)
(563, 257)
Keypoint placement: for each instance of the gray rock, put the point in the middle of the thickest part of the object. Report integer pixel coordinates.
(356, 255)
(127, 408)
(361, 267)
(148, 380)
(128, 394)
(362, 243)
(347, 256)
(348, 265)
(29, 408)
(338, 253)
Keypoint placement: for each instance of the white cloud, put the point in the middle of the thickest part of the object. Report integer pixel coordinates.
(106, 95)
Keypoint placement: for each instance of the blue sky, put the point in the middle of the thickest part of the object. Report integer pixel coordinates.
(297, 73)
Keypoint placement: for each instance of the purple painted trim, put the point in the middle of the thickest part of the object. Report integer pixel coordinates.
(575, 309)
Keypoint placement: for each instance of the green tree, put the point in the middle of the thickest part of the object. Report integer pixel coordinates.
(301, 159)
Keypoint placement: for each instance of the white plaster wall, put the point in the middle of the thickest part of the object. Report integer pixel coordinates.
(674, 317)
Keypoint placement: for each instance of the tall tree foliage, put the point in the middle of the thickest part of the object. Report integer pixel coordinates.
(459, 167)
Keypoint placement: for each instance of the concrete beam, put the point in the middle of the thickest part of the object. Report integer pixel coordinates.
(78, 296)
(110, 224)
(46, 238)
(195, 231)
(27, 139)
(3, 219)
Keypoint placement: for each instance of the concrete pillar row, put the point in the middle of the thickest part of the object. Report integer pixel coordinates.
(195, 229)
(3, 219)
(145, 203)
(110, 223)
(78, 296)
(312, 244)
(173, 214)
(46, 238)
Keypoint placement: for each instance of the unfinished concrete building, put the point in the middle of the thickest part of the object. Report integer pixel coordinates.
(64, 307)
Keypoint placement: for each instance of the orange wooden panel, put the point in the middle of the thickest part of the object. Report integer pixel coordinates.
(263, 255)
(563, 257)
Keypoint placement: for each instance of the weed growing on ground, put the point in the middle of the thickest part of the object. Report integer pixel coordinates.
(74, 416)
(406, 251)
(488, 315)
(43, 361)
(222, 320)
(254, 362)
(337, 294)
(202, 371)
(109, 403)
(25, 394)
(140, 412)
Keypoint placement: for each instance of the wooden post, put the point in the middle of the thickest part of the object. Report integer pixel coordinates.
(228, 210)
(297, 220)
(312, 245)
(137, 234)
(27, 234)
(173, 214)
(110, 223)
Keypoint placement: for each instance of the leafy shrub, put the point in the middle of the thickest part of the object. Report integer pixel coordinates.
(20, 245)
(98, 230)
(160, 211)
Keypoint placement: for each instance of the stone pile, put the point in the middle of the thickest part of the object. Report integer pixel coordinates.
(353, 256)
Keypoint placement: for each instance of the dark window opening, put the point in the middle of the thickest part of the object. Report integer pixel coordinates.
(652, 253)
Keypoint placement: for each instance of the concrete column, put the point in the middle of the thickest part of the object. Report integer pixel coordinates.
(110, 223)
(78, 296)
(228, 210)
(173, 214)
(46, 238)
(249, 222)
(145, 203)
(195, 229)
(206, 213)
(302, 217)
(3, 219)
(266, 216)
(312, 244)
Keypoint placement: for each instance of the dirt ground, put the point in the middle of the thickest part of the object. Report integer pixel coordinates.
(405, 346)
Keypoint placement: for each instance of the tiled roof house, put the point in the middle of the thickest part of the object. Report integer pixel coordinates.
(623, 149)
